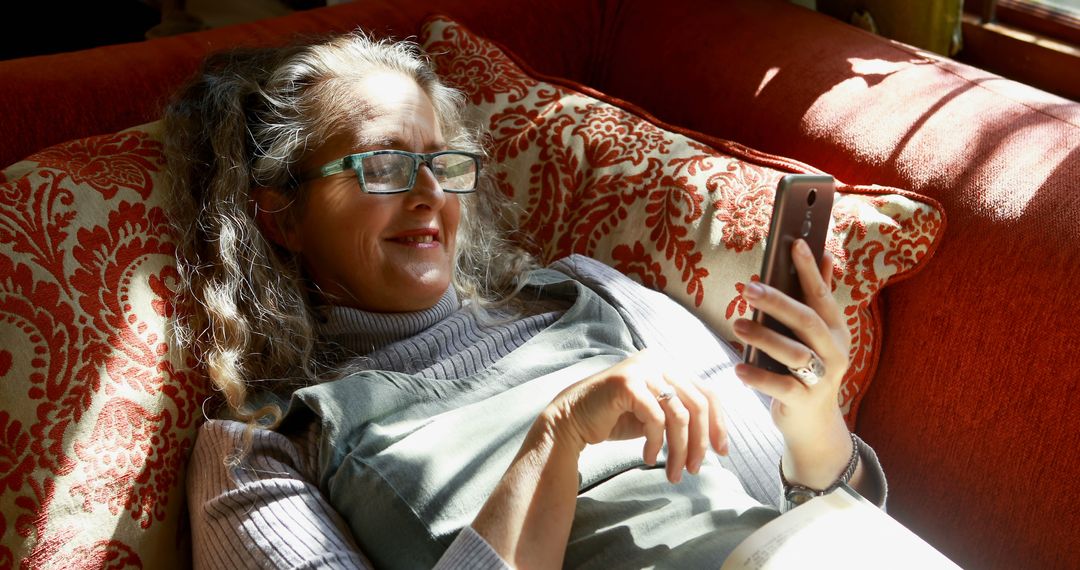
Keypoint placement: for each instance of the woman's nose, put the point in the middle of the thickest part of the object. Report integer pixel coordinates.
(426, 191)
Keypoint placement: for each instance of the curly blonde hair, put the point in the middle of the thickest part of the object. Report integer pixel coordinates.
(243, 122)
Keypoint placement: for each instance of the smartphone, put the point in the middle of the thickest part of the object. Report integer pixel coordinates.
(802, 209)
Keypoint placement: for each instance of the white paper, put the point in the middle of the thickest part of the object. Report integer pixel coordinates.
(838, 530)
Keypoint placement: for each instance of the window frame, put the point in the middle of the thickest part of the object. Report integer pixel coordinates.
(1031, 44)
(1039, 19)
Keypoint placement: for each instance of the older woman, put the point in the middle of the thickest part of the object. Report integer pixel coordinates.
(404, 387)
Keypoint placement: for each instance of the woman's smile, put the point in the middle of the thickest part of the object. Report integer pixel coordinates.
(422, 238)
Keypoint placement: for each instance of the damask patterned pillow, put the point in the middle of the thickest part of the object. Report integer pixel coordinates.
(679, 211)
(97, 414)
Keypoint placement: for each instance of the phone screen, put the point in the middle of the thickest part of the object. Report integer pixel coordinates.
(802, 209)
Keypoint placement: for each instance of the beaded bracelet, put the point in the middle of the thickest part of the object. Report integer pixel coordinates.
(799, 494)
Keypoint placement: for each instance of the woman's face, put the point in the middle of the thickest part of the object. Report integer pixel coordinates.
(371, 251)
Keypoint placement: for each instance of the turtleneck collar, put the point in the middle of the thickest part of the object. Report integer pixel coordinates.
(364, 332)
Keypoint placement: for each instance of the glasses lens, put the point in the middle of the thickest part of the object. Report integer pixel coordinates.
(455, 172)
(386, 172)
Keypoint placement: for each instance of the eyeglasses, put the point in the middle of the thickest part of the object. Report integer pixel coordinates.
(394, 171)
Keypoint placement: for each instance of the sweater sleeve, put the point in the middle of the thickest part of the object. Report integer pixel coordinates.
(267, 512)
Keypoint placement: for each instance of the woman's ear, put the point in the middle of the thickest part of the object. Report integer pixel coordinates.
(274, 217)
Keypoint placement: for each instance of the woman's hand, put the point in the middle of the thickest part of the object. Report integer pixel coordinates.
(528, 516)
(817, 443)
(641, 396)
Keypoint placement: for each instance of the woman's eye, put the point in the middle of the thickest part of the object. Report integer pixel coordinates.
(377, 171)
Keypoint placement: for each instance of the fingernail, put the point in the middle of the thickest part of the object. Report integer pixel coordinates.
(802, 248)
(724, 448)
(741, 326)
(694, 466)
(753, 291)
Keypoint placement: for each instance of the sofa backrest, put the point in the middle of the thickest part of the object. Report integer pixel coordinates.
(54, 98)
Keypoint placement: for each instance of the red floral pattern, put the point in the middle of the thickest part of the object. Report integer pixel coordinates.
(611, 137)
(679, 215)
(482, 65)
(739, 305)
(98, 417)
(108, 555)
(16, 462)
(108, 164)
(743, 204)
(126, 445)
(635, 261)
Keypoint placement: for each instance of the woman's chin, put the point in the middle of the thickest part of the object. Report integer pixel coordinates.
(421, 288)
(395, 288)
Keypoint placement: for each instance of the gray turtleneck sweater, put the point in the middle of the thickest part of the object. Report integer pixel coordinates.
(269, 512)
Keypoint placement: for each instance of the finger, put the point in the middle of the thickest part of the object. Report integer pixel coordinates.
(677, 420)
(781, 387)
(646, 408)
(786, 351)
(653, 419)
(828, 262)
(804, 321)
(817, 292)
(697, 405)
(717, 428)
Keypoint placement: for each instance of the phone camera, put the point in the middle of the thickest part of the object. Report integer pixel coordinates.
(811, 197)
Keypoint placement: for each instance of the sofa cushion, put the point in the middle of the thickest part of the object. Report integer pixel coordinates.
(98, 413)
(679, 211)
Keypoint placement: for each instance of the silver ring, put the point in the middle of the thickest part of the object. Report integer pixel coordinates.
(812, 372)
(665, 395)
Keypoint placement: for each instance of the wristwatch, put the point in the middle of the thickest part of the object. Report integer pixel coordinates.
(796, 495)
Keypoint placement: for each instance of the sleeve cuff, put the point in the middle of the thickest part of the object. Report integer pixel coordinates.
(873, 475)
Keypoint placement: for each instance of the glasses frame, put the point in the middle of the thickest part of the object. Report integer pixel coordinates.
(354, 161)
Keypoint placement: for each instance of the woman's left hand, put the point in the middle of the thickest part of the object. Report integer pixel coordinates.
(808, 416)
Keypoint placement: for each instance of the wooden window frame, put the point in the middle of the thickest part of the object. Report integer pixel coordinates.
(1043, 21)
(1031, 44)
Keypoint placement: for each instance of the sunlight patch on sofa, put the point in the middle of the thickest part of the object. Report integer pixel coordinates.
(769, 75)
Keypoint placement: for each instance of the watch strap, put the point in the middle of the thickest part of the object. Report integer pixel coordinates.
(795, 494)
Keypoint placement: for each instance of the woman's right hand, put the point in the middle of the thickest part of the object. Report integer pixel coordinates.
(623, 402)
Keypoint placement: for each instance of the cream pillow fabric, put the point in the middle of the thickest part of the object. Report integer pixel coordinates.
(97, 414)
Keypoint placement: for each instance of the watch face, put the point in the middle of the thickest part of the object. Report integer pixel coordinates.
(797, 496)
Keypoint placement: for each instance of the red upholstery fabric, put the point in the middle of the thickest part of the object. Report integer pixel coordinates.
(973, 405)
(976, 394)
(40, 108)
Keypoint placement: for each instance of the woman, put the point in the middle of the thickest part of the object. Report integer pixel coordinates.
(403, 387)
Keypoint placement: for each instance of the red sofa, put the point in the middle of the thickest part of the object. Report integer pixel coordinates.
(973, 405)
